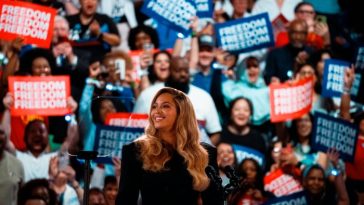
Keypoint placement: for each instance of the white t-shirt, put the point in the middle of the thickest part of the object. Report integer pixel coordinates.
(35, 168)
(270, 6)
(70, 196)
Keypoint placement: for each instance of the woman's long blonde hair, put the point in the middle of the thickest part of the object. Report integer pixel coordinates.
(155, 153)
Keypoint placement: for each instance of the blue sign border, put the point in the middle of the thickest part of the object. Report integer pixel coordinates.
(264, 16)
(165, 21)
(328, 92)
(108, 159)
(323, 148)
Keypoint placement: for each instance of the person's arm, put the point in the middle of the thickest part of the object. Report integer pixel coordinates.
(71, 9)
(345, 97)
(343, 197)
(342, 194)
(12, 66)
(117, 166)
(322, 29)
(8, 101)
(213, 126)
(194, 45)
(5, 124)
(215, 138)
(113, 39)
(84, 112)
(177, 48)
(130, 179)
(6, 121)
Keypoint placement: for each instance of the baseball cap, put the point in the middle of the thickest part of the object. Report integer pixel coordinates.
(206, 40)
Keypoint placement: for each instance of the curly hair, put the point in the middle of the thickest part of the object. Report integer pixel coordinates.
(139, 29)
(155, 153)
(26, 60)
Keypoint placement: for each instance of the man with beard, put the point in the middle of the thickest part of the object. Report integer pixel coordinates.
(202, 102)
(11, 173)
(281, 61)
(35, 159)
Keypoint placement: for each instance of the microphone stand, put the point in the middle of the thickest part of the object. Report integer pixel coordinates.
(87, 156)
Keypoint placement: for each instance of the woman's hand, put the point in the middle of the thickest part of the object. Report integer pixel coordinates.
(53, 167)
(72, 104)
(117, 166)
(8, 100)
(94, 69)
(333, 156)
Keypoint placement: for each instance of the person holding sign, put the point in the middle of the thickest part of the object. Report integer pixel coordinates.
(167, 164)
(38, 63)
(92, 112)
(355, 169)
(320, 103)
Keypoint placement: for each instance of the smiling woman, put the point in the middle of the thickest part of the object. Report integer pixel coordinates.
(238, 130)
(168, 163)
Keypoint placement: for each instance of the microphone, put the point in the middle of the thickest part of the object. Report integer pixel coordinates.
(234, 183)
(215, 178)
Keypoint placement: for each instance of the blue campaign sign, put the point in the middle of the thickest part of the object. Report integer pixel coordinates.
(109, 141)
(333, 78)
(242, 152)
(359, 57)
(176, 14)
(298, 198)
(245, 34)
(205, 8)
(330, 132)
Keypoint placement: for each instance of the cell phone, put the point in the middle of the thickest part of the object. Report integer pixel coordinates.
(321, 19)
(148, 46)
(63, 160)
(120, 68)
(218, 5)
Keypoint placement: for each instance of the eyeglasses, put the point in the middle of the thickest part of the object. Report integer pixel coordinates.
(305, 12)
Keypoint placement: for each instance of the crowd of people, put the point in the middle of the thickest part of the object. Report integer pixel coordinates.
(96, 43)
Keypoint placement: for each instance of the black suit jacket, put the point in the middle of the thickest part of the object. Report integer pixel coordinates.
(171, 187)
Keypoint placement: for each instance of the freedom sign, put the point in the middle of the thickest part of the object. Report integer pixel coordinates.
(298, 198)
(176, 14)
(331, 132)
(40, 95)
(204, 8)
(242, 152)
(290, 101)
(109, 141)
(333, 78)
(32, 22)
(281, 184)
(245, 34)
(125, 119)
